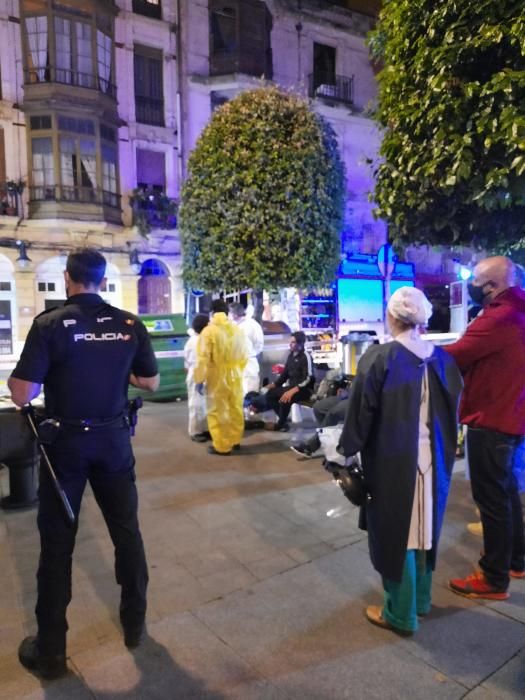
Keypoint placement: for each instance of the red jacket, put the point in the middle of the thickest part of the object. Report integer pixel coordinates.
(491, 357)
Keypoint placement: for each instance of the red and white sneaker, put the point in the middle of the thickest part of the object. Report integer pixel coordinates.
(516, 574)
(477, 586)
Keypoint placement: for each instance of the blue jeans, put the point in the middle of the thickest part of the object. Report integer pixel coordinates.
(492, 461)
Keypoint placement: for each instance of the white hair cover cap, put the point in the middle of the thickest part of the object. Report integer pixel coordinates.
(410, 305)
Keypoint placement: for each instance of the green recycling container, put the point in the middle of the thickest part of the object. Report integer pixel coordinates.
(168, 333)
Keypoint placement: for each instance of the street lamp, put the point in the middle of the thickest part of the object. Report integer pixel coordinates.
(134, 261)
(23, 261)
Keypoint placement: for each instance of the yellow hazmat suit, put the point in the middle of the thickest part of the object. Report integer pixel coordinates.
(222, 354)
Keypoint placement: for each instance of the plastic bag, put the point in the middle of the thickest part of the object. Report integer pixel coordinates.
(329, 439)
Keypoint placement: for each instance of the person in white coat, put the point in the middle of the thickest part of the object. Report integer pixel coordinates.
(197, 420)
(255, 338)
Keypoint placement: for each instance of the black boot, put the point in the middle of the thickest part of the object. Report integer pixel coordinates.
(48, 667)
(133, 636)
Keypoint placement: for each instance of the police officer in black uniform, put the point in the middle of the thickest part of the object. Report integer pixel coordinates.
(85, 354)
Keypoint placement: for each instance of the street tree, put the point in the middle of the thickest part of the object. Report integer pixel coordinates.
(452, 107)
(262, 205)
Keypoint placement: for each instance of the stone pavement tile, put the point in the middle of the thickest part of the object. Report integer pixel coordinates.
(258, 690)
(508, 683)
(382, 673)
(221, 583)
(168, 573)
(170, 599)
(307, 553)
(247, 546)
(305, 612)
(16, 683)
(213, 515)
(465, 640)
(357, 538)
(264, 568)
(310, 638)
(514, 607)
(180, 658)
(208, 562)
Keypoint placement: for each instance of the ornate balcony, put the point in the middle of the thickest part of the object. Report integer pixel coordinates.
(332, 88)
(153, 209)
(62, 76)
(83, 203)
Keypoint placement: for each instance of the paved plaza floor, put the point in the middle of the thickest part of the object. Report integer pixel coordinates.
(258, 581)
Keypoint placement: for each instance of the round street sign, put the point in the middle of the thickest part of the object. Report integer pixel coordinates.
(386, 260)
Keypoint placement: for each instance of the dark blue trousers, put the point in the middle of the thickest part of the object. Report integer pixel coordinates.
(492, 462)
(104, 458)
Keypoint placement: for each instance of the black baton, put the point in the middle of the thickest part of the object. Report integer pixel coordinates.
(29, 412)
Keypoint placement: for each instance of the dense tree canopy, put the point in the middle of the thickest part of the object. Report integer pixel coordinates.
(452, 105)
(263, 202)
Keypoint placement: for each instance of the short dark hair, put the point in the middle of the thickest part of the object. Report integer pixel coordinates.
(218, 305)
(199, 323)
(86, 266)
(300, 337)
(237, 309)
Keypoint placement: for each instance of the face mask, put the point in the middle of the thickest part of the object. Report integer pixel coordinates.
(476, 293)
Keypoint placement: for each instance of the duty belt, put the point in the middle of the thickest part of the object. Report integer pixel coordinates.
(86, 424)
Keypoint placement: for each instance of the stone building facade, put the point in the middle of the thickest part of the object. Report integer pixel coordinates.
(101, 104)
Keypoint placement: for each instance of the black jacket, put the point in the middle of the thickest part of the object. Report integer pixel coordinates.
(298, 371)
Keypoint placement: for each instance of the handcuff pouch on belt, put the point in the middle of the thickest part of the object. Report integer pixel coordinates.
(48, 430)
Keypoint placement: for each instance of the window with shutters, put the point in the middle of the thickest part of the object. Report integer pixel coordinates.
(240, 38)
(149, 92)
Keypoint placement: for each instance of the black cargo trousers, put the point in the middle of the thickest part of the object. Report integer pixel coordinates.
(102, 456)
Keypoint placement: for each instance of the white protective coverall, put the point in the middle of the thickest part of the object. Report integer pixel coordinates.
(254, 335)
(222, 355)
(197, 422)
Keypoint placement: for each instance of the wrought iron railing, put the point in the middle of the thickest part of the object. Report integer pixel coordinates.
(148, 9)
(153, 209)
(337, 88)
(83, 195)
(65, 76)
(149, 110)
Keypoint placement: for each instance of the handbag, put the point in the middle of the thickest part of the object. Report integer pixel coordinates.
(351, 480)
(346, 471)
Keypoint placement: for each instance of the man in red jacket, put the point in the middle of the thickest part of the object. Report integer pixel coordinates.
(491, 357)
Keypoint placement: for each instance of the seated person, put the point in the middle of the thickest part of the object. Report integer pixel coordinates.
(294, 384)
(328, 412)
